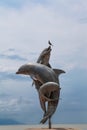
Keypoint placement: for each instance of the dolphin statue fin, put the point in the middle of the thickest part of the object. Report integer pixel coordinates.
(58, 71)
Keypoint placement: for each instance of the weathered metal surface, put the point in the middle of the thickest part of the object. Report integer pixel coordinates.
(46, 81)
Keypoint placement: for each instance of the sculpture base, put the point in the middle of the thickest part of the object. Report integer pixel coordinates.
(51, 129)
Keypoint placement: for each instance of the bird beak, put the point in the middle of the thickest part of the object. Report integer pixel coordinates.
(63, 71)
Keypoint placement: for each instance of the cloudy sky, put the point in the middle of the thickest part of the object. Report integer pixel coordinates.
(25, 28)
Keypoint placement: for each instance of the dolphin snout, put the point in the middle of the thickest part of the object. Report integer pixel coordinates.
(17, 72)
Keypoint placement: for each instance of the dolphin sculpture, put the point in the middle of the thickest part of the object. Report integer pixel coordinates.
(47, 83)
(38, 72)
(43, 59)
(46, 92)
(45, 56)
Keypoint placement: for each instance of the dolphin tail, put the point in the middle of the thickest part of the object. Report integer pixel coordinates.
(51, 109)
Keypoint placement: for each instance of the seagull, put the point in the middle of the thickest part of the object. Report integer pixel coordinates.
(50, 43)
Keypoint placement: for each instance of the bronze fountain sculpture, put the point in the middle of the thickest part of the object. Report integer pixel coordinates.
(46, 81)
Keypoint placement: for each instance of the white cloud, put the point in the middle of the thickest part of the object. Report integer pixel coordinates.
(29, 27)
(14, 104)
(33, 24)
